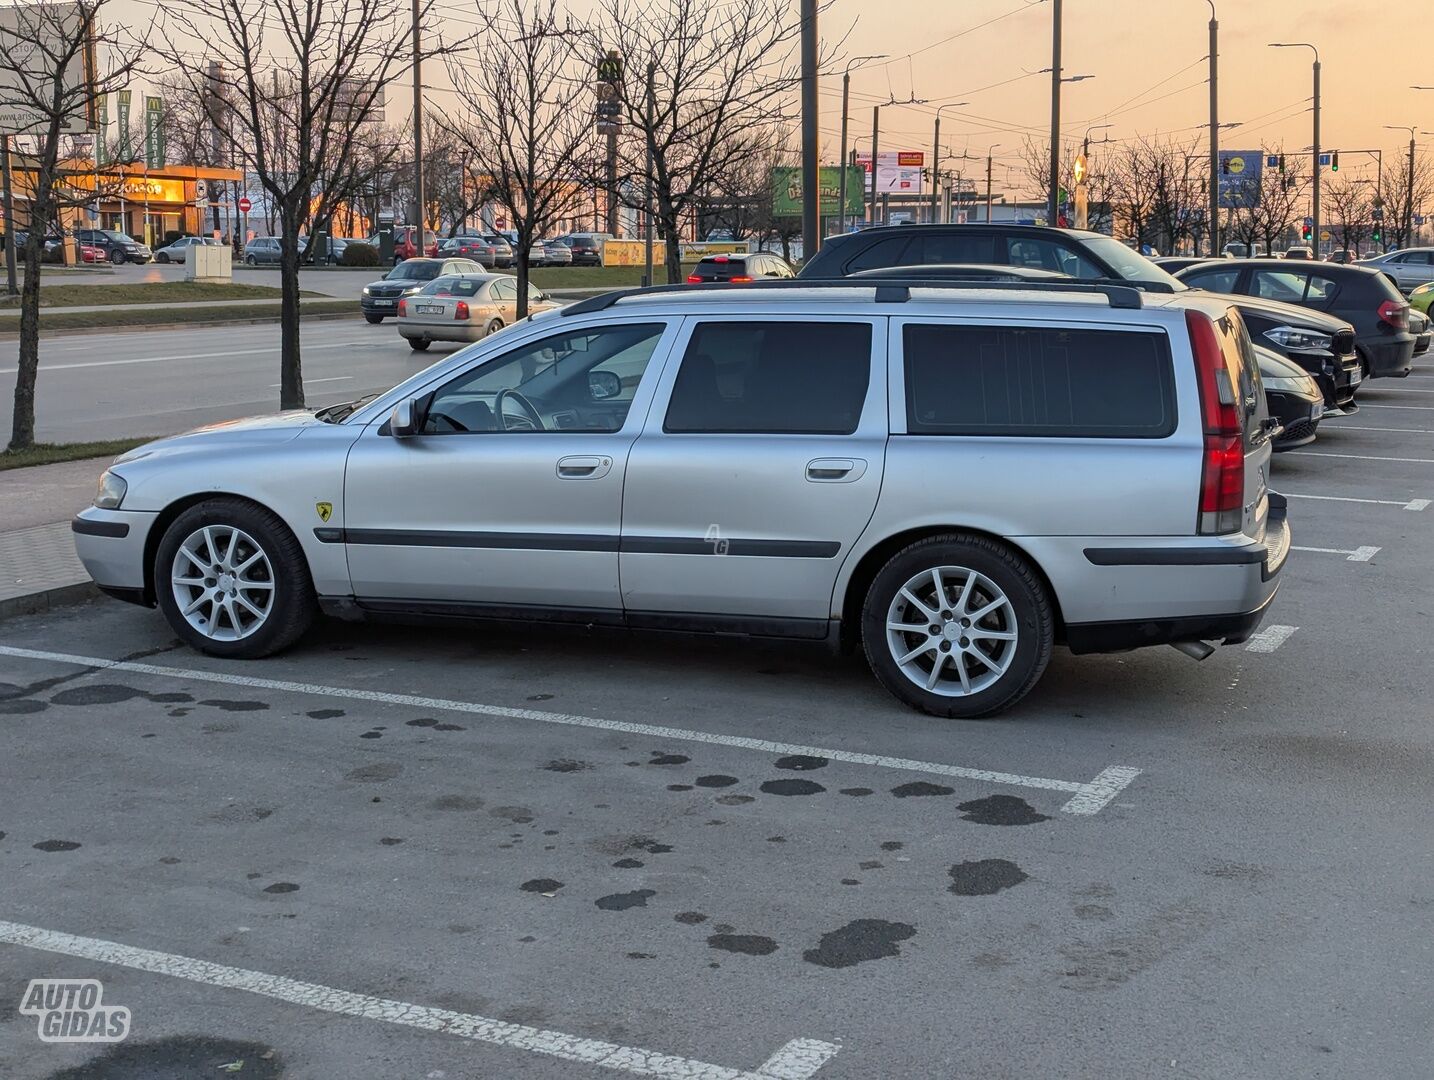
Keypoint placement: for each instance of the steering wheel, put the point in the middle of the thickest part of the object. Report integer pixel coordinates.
(531, 414)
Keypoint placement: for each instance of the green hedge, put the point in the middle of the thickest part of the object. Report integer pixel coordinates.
(357, 254)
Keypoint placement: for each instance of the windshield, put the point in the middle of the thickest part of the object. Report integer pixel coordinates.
(1128, 264)
(119, 237)
(415, 271)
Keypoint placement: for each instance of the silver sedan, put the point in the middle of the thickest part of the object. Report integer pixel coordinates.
(464, 307)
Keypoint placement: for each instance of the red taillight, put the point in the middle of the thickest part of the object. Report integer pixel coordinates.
(693, 279)
(461, 311)
(1222, 474)
(1394, 313)
(402, 308)
(739, 280)
(720, 259)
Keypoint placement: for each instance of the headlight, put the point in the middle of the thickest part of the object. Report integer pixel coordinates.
(366, 291)
(1294, 384)
(111, 492)
(1293, 337)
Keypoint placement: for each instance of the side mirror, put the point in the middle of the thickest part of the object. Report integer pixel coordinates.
(603, 385)
(402, 422)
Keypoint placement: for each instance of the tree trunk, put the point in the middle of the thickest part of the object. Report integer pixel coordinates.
(524, 244)
(669, 219)
(22, 429)
(291, 375)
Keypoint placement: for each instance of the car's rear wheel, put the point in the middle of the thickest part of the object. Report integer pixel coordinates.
(419, 343)
(958, 626)
(493, 327)
(232, 580)
(374, 318)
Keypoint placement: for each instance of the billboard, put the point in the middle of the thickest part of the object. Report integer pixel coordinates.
(898, 172)
(787, 191)
(1240, 175)
(30, 35)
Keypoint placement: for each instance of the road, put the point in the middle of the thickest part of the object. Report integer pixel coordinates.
(473, 849)
(147, 382)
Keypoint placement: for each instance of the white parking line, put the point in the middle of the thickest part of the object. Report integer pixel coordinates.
(1088, 798)
(1359, 554)
(1412, 504)
(186, 356)
(1395, 390)
(1363, 427)
(1420, 408)
(797, 1060)
(314, 382)
(1361, 457)
(1270, 638)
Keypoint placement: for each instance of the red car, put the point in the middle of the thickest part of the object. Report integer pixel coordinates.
(92, 254)
(405, 243)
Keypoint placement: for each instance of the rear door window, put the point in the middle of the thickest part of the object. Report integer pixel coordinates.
(1038, 381)
(888, 252)
(801, 378)
(1282, 285)
(1322, 290)
(952, 248)
(1039, 254)
(1214, 280)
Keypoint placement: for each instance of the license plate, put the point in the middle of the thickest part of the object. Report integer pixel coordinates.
(383, 303)
(1356, 377)
(429, 309)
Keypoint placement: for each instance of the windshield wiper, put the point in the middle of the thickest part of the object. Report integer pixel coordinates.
(333, 414)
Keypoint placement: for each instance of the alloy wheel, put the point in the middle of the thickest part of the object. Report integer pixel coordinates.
(223, 582)
(952, 631)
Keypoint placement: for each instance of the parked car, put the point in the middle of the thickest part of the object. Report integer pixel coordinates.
(1324, 346)
(954, 272)
(1409, 268)
(1292, 397)
(466, 307)
(405, 243)
(1173, 264)
(556, 254)
(1342, 257)
(1235, 250)
(469, 246)
(117, 246)
(1363, 297)
(586, 247)
(739, 268)
(1107, 491)
(1078, 254)
(379, 299)
(262, 251)
(1299, 251)
(335, 254)
(1419, 326)
(90, 254)
(502, 250)
(179, 249)
(1422, 299)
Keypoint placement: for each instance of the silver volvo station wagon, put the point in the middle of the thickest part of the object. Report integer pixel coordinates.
(956, 477)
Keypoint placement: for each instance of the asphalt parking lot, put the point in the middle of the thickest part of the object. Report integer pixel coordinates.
(494, 853)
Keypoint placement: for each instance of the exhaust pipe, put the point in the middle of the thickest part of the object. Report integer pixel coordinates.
(1196, 650)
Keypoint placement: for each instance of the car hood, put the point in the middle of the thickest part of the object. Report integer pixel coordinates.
(1290, 313)
(250, 431)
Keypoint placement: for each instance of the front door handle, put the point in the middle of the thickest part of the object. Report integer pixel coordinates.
(835, 470)
(583, 468)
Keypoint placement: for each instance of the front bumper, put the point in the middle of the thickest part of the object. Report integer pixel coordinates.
(376, 305)
(111, 545)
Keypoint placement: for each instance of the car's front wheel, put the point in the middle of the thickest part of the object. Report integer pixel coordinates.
(161, 257)
(958, 626)
(232, 580)
(374, 318)
(251, 260)
(117, 257)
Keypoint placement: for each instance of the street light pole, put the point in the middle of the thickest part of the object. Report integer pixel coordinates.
(989, 152)
(875, 146)
(1409, 190)
(1053, 200)
(1314, 208)
(418, 215)
(1214, 225)
(811, 173)
(845, 98)
(936, 156)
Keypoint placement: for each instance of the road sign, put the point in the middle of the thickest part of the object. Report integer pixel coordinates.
(1310, 222)
(244, 204)
(1324, 160)
(1324, 234)
(1240, 173)
(1272, 161)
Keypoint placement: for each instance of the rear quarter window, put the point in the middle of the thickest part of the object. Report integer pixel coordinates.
(1038, 382)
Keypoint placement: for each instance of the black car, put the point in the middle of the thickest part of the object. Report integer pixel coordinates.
(380, 298)
(1365, 298)
(1173, 264)
(1292, 397)
(502, 249)
(1073, 252)
(737, 269)
(117, 246)
(586, 247)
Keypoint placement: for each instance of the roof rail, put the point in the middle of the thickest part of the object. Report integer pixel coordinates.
(887, 290)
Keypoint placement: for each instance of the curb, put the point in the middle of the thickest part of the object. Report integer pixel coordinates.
(48, 599)
(80, 330)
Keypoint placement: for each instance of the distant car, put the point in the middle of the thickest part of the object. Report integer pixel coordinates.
(1299, 251)
(470, 246)
(557, 253)
(1363, 297)
(502, 250)
(738, 269)
(262, 251)
(1235, 250)
(1419, 326)
(1409, 268)
(118, 247)
(405, 243)
(380, 298)
(176, 251)
(1292, 396)
(1342, 257)
(89, 254)
(464, 307)
(1422, 299)
(1173, 264)
(586, 247)
(336, 246)
(959, 272)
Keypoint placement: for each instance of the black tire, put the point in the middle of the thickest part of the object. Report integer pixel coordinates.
(493, 327)
(117, 257)
(375, 319)
(161, 258)
(250, 260)
(294, 604)
(1034, 622)
(419, 343)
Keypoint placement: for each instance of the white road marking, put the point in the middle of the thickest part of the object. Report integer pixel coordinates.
(1270, 638)
(1395, 390)
(1359, 554)
(1371, 405)
(1361, 457)
(1412, 504)
(1088, 798)
(798, 1060)
(313, 382)
(185, 356)
(1405, 430)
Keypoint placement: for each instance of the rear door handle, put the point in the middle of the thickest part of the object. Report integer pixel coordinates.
(583, 468)
(835, 470)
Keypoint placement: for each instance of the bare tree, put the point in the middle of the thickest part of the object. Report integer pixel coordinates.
(1268, 207)
(308, 83)
(1351, 204)
(531, 128)
(702, 86)
(1405, 195)
(57, 61)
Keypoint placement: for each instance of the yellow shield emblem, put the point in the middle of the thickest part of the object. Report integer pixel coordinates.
(325, 510)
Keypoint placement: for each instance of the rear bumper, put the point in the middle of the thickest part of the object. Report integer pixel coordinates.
(447, 331)
(1123, 636)
(1390, 359)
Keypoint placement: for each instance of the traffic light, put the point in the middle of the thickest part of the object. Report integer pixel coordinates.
(1378, 236)
(1306, 231)
(1334, 162)
(1282, 164)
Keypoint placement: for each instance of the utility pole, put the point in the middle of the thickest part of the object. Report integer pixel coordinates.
(1314, 209)
(418, 200)
(875, 146)
(647, 189)
(811, 172)
(845, 98)
(936, 156)
(989, 154)
(1053, 203)
(1214, 226)
(10, 285)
